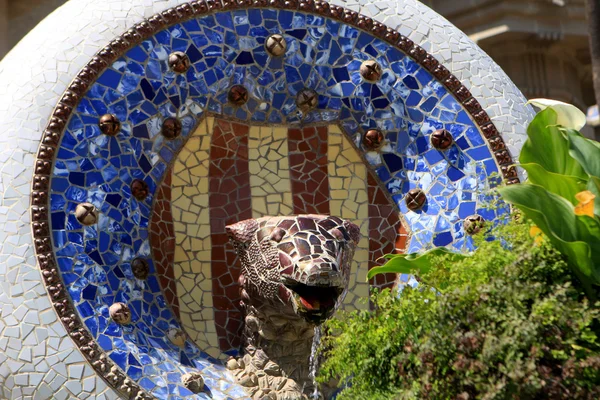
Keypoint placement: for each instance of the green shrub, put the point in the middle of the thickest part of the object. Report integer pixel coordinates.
(510, 324)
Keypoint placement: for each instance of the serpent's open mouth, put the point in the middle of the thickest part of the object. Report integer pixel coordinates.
(315, 303)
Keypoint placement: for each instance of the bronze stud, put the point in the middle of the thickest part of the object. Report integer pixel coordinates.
(509, 171)
(415, 199)
(109, 124)
(193, 382)
(371, 70)
(276, 45)
(139, 189)
(373, 139)
(140, 268)
(46, 152)
(441, 139)
(238, 95)
(177, 337)
(474, 224)
(43, 167)
(120, 313)
(86, 214)
(179, 62)
(40, 183)
(171, 128)
(307, 100)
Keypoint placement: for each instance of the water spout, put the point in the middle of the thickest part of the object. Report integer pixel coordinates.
(314, 362)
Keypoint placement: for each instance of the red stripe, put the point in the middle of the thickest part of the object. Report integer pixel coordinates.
(162, 238)
(308, 170)
(386, 233)
(229, 202)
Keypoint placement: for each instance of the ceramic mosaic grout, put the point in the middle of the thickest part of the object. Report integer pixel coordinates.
(349, 200)
(76, 164)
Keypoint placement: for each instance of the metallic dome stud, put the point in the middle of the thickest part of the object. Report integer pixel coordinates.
(415, 199)
(373, 139)
(109, 124)
(171, 128)
(371, 71)
(120, 313)
(86, 214)
(307, 100)
(238, 95)
(276, 45)
(140, 268)
(441, 139)
(177, 337)
(474, 224)
(179, 62)
(193, 381)
(139, 189)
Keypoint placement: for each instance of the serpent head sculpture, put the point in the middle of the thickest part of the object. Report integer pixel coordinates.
(295, 272)
(299, 265)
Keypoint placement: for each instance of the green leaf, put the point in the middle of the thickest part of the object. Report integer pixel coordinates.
(548, 147)
(585, 151)
(408, 263)
(578, 237)
(566, 186)
(594, 187)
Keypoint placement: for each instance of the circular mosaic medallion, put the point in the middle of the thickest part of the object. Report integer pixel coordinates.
(208, 114)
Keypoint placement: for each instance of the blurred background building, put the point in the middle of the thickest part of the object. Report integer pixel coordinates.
(18, 17)
(541, 44)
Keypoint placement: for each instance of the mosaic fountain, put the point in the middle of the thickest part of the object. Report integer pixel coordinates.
(189, 188)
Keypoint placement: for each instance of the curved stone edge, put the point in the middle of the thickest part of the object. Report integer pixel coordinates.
(52, 135)
(28, 96)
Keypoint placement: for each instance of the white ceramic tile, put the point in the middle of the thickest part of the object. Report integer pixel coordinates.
(33, 76)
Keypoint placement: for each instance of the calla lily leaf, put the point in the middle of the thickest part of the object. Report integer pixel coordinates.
(566, 186)
(548, 146)
(585, 151)
(594, 187)
(409, 263)
(578, 237)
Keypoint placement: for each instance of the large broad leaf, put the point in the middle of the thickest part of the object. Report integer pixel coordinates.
(408, 263)
(585, 151)
(594, 187)
(566, 186)
(548, 147)
(568, 115)
(578, 237)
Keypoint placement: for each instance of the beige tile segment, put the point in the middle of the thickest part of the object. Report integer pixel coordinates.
(348, 188)
(269, 171)
(192, 266)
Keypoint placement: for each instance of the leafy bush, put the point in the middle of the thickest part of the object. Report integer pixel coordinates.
(509, 325)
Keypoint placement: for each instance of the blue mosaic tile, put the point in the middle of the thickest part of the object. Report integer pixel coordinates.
(228, 48)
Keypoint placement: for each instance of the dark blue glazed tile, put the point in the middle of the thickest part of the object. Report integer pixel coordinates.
(227, 48)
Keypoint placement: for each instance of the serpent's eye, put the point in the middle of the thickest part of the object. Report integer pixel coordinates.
(277, 235)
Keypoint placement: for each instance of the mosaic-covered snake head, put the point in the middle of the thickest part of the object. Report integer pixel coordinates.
(298, 266)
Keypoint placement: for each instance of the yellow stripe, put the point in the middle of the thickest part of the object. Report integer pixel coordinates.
(269, 171)
(349, 200)
(191, 222)
(271, 195)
